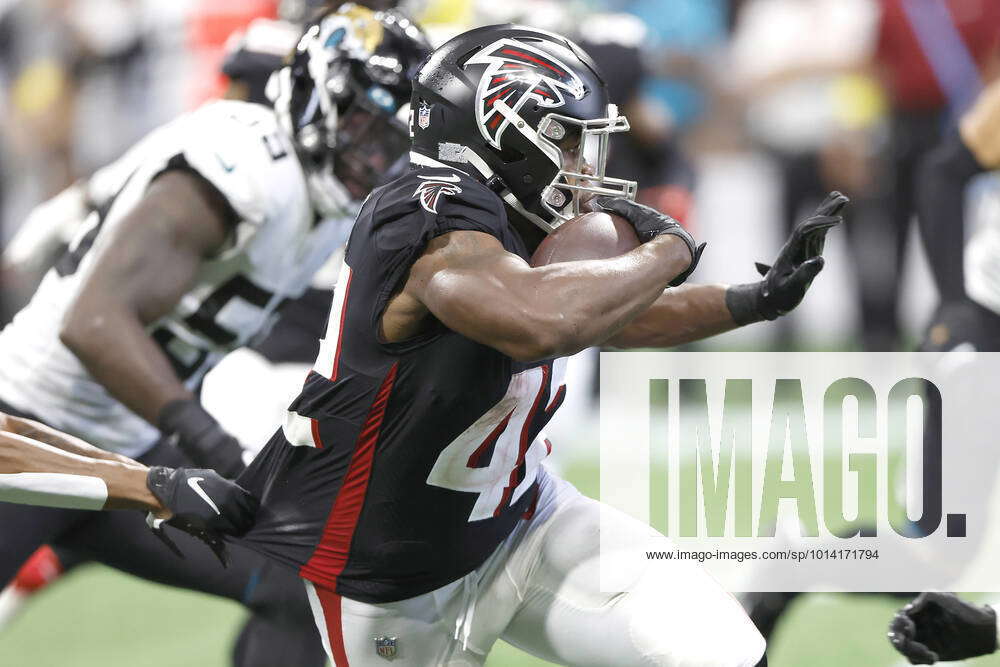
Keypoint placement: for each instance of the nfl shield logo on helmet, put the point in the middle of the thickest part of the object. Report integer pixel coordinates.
(386, 647)
(424, 116)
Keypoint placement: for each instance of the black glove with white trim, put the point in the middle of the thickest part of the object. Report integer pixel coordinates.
(650, 223)
(203, 504)
(786, 282)
(942, 626)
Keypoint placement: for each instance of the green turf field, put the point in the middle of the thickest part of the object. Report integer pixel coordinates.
(97, 617)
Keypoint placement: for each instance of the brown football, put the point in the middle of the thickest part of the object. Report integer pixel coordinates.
(588, 236)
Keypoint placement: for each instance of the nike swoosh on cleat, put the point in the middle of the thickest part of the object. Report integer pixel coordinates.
(195, 483)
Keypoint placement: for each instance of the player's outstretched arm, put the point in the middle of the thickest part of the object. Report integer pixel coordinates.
(35, 473)
(34, 430)
(471, 284)
(941, 626)
(693, 312)
(199, 502)
(138, 275)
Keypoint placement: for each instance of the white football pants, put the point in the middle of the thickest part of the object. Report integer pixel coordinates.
(539, 591)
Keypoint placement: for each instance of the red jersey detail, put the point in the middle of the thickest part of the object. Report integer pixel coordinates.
(317, 441)
(330, 556)
(340, 336)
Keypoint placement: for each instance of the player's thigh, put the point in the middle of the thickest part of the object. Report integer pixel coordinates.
(671, 614)
(411, 633)
(24, 528)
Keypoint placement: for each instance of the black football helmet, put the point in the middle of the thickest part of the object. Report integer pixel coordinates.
(343, 98)
(525, 111)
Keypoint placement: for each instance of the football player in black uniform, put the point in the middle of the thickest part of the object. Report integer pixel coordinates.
(406, 484)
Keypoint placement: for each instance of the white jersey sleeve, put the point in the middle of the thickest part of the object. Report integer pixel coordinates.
(275, 247)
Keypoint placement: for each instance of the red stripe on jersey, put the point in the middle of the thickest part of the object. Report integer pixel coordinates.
(331, 604)
(340, 336)
(330, 556)
(525, 442)
(317, 441)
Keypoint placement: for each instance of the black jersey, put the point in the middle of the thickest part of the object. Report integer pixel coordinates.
(402, 466)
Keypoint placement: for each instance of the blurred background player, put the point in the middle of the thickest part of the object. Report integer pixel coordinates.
(197, 231)
(966, 317)
(283, 354)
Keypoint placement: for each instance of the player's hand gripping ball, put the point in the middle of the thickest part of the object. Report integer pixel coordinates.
(202, 503)
(650, 223)
(941, 626)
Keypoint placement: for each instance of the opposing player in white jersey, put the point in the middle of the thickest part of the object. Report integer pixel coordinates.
(195, 238)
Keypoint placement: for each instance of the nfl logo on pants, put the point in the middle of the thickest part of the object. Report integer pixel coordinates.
(386, 647)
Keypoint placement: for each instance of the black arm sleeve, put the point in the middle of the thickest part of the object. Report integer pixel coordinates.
(941, 212)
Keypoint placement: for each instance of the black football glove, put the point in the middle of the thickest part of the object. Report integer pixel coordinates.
(786, 282)
(941, 626)
(650, 223)
(203, 504)
(201, 437)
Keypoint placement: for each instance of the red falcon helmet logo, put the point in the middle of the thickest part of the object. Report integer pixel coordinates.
(432, 187)
(517, 72)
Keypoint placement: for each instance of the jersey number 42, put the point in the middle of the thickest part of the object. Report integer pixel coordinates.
(498, 456)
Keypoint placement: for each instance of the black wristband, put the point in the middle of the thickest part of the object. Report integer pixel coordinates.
(743, 302)
(201, 437)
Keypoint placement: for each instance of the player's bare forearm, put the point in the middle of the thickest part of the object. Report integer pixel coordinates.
(40, 432)
(138, 275)
(680, 315)
(119, 353)
(495, 298)
(34, 472)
